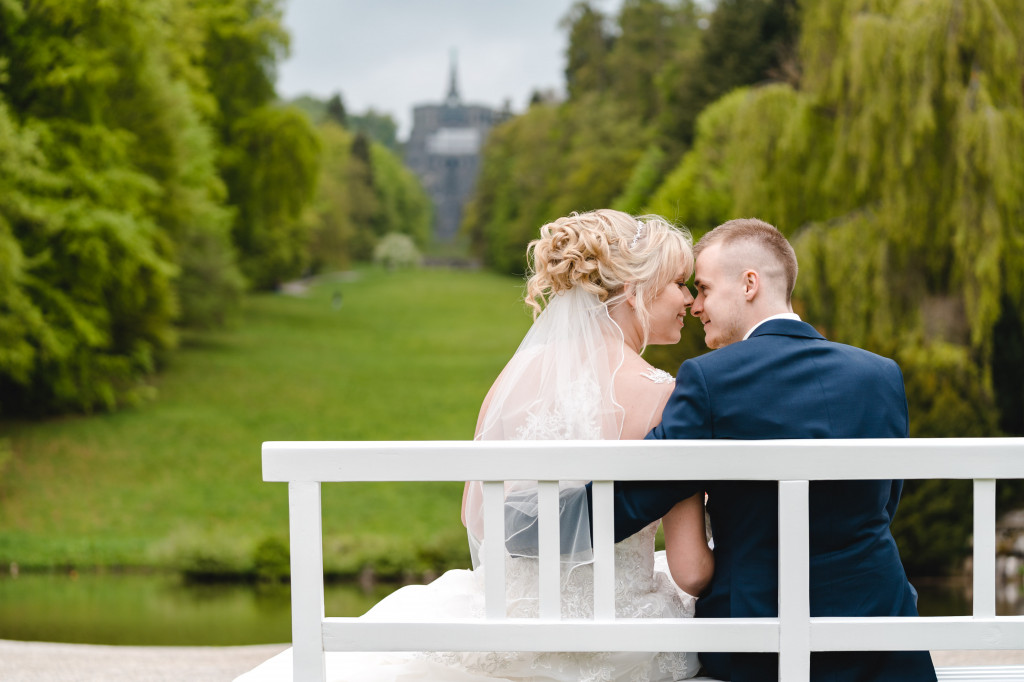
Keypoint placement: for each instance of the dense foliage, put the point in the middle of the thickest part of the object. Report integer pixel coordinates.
(636, 84)
(885, 138)
(148, 176)
(364, 190)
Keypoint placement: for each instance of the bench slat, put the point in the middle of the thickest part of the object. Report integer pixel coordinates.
(981, 673)
(932, 633)
(528, 634)
(608, 460)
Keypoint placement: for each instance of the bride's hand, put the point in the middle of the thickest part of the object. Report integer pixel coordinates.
(690, 560)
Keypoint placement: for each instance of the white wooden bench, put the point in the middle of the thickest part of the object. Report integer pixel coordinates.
(793, 634)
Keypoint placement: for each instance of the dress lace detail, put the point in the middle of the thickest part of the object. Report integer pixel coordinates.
(641, 591)
(659, 376)
(575, 417)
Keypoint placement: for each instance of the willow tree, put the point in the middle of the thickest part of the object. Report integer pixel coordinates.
(897, 169)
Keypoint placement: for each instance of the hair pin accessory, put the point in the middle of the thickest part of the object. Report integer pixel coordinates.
(639, 232)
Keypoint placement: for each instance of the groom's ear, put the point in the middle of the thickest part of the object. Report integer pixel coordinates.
(751, 284)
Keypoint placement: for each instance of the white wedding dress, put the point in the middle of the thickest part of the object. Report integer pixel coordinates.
(562, 383)
(643, 589)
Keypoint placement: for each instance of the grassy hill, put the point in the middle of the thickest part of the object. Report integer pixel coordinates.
(175, 483)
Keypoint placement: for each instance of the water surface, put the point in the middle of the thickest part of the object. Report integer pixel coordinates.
(158, 610)
(161, 610)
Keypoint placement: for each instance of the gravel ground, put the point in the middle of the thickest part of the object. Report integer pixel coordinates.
(46, 662)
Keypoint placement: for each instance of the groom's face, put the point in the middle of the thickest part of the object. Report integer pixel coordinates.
(721, 301)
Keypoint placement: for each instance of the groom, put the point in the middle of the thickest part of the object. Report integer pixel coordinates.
(773, 376)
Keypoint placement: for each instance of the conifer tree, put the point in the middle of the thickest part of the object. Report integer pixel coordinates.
(586, 67)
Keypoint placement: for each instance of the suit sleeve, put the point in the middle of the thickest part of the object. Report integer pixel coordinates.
(903, 427)
(687, 416)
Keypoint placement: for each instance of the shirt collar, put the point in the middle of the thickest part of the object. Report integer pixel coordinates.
(780, 316)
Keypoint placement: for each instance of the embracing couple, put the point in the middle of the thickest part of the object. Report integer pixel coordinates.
(604, 285)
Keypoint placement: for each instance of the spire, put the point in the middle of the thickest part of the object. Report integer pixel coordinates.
(453, 85)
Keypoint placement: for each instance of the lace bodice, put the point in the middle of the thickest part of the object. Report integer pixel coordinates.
(639, 591)
(659, 376)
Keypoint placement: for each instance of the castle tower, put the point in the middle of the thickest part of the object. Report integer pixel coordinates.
(444, 151)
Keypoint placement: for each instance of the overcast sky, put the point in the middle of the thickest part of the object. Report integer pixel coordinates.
(393, 54)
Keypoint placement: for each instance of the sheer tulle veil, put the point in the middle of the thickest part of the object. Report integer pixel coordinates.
(559, 385)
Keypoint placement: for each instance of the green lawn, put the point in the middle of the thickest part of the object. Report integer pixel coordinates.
(176, 482)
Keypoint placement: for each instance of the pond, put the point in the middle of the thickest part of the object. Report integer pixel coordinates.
(160, 610)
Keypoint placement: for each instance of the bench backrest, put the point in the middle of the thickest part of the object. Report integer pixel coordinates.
(793, 463)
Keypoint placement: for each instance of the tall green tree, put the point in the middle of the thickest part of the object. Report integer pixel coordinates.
(651, 34)
(586, 68)
(331, 230)
(93, 272)
(271, 169)
(115, 220)
(242, 42)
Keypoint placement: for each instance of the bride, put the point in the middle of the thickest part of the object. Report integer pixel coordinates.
(603, 286)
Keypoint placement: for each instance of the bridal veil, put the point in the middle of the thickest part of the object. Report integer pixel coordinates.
(559, 385)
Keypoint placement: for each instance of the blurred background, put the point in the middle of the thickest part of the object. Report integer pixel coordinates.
(230, 221)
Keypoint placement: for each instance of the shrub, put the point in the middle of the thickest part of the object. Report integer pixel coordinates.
(396, 251)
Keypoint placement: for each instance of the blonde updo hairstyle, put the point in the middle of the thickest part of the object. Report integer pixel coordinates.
(610, 254)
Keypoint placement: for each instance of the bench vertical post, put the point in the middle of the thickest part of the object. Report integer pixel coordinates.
(549, 560)
(494, 549)
(307, 581)
(984, 561)
(604, 549)
(794, 582)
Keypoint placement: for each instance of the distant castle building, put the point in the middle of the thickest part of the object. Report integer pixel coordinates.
(444, 150)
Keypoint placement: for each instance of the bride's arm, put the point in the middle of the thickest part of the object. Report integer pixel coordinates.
(479, 421)
(690, 560)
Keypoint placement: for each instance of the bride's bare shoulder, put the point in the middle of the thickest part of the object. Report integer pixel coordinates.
(643, 391)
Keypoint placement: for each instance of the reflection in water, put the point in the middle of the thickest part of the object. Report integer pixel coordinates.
(953, 597)
(160, 610)
(157, 610)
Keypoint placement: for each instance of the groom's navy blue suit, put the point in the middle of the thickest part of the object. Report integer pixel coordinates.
(787, 381)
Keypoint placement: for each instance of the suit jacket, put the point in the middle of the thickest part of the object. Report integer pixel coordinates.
(787, 381)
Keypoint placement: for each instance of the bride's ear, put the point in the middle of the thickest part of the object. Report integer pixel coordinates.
(630, 290)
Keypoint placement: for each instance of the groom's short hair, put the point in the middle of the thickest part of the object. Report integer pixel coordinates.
(760, 234)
